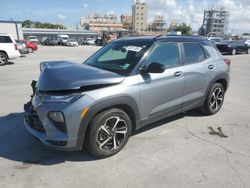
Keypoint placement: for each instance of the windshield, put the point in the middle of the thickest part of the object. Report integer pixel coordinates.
(119, 57)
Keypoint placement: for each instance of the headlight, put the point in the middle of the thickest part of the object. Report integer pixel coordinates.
(62, 98)
(42, 65)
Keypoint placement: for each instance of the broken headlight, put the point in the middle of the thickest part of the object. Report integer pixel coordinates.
(62, 98)
(42, 65)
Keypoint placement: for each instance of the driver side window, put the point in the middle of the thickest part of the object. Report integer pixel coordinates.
(166, 54)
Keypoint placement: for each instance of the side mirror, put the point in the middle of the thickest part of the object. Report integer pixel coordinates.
(153, 68)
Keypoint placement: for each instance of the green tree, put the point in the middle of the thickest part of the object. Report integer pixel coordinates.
(184, 28)
(31, 24)
(27, 23)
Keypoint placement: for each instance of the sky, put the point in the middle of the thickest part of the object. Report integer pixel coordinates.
(68, 12)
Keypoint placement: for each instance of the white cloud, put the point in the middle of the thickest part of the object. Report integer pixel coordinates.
(191, 12)
(61, 16)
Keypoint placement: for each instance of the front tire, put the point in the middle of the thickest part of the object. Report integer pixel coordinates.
(109, 132)
(3, 58)
(214, 100)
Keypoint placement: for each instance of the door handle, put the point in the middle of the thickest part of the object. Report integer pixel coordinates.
(210, 66)
(178, 73)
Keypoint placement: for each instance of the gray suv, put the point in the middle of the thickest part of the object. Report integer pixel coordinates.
(124, 86)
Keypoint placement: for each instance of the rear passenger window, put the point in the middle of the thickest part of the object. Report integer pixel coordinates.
(5, 39)
(194, 53)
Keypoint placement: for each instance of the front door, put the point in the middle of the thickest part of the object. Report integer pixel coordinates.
(161, 93)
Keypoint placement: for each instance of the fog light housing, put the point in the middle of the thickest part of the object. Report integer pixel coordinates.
(57, 118)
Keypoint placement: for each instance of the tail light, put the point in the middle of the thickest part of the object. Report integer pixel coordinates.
(15, 45)
(227, 61)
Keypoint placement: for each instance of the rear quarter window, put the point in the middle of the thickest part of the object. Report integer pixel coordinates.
(194, 53)
(5, 39)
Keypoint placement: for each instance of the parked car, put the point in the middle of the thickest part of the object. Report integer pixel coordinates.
(247, 42)
(33, 39)
(62, 39)
(124, 86)
(8, 48)
(82, 41)
(49, 42)
(21, 46)
(90, 41)
(31, 46)
(233, 47)
(71, 42)
(215, 39)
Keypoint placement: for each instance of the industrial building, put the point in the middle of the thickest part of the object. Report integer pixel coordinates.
(98, 22)
(215, 22)
(75, 34)
(12, 27)
(158, 24)
(140, 16)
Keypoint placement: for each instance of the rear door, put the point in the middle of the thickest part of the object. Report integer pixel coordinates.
(7, 45)
(161, 93)
(198, 71)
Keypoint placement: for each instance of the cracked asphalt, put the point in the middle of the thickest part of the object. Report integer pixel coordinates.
(181, 151)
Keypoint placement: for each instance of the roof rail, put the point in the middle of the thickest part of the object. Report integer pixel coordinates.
(158, 36)
(195, 36)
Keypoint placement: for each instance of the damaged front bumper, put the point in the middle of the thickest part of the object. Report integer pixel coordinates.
(38, 123)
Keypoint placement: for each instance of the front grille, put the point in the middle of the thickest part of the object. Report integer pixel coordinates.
(32, 119)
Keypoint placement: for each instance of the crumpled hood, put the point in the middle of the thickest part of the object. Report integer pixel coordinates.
(65, 75)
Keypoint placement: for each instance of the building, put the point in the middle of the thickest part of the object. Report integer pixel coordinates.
(158, 24)
(126, 21)
(215, 22)
(246, 36)
(98, 22)
(13, 28)
(140, 16)
(75, 34)
(173, 26)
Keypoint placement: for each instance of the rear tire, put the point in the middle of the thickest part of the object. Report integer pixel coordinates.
(109, 132)
(3, 58)
(214, 100)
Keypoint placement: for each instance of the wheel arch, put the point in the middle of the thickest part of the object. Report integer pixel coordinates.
(222, 78)
(126, 104)
(2, 51)
(223, 82)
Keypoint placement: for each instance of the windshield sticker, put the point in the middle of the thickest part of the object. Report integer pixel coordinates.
(134, 48)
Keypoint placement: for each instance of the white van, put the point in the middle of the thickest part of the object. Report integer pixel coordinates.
(62, 39)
